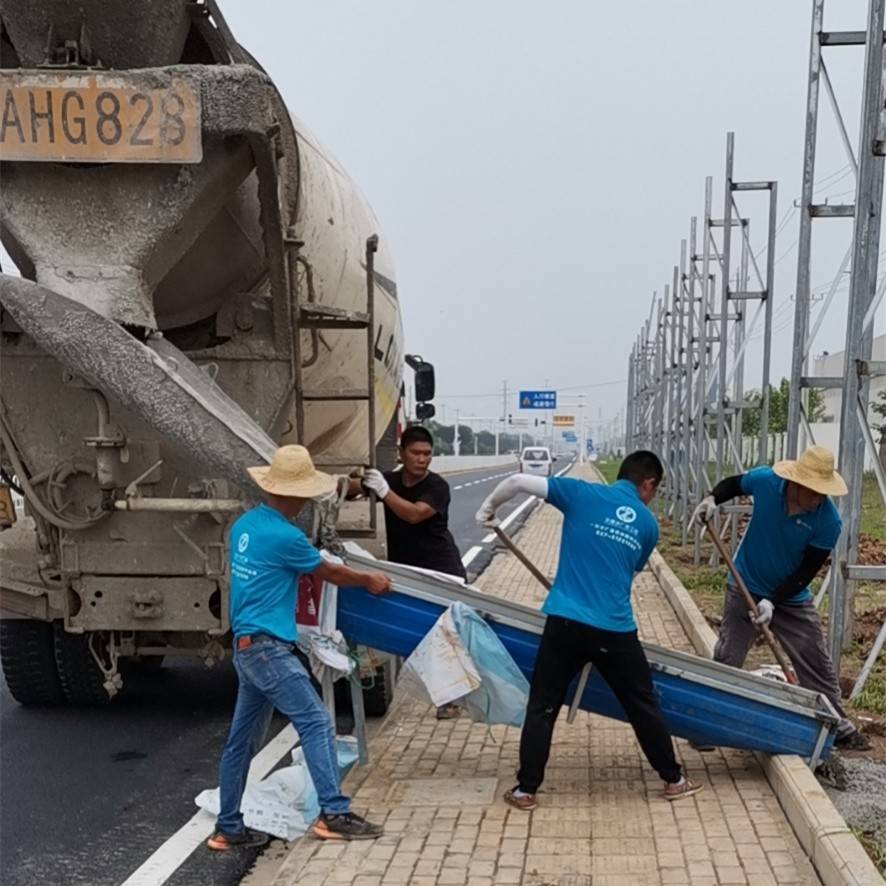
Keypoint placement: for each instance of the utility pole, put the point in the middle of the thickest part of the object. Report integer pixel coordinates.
(456, 443)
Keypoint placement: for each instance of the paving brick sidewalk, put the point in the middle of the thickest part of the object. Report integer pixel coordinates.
(437, 785)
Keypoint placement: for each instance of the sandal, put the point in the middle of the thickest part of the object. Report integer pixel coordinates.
(686, 788)
(523, 802)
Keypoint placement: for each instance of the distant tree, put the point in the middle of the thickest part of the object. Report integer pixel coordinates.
(778, 409)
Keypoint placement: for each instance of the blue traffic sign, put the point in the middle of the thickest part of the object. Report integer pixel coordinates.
(570, 437)
(590, 445)
(537, 400)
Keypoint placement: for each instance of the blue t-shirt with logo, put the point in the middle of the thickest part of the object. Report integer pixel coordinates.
(608, 535)
(774, 543)
(267, 555)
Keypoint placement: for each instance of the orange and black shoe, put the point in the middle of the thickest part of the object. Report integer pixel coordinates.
(247, 838)
(345, 826)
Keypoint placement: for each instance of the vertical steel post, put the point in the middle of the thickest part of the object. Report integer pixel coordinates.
(862, 286)
(704, 355)
(680, 417)
(803, 291)
(767, 323)
(629, 421)
(688, 424)
(722, 396)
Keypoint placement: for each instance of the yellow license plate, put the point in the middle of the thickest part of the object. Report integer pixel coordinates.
(98, 118)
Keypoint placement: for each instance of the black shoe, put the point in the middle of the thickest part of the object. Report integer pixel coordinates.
(346, 826)
(702, 748)
(853, 741)
(222, 842)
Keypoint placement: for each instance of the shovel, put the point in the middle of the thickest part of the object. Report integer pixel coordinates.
(768, 636)
(586, 670)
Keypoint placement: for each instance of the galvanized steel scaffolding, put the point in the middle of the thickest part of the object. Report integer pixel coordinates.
(686, 372)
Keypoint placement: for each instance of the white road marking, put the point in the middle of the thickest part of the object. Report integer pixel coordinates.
(471, 554)
(455, 487)
(166, 860)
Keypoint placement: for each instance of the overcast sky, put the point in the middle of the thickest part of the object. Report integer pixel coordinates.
(534, 165)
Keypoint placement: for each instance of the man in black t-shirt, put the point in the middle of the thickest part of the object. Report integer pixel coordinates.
(416, 504)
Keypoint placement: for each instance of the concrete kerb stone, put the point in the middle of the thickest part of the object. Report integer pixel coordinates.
(838, 857)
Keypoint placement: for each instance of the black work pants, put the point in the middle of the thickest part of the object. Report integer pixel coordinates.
(566, 646)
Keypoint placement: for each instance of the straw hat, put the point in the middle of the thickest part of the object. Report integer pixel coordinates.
(814, 469)
(292, 473)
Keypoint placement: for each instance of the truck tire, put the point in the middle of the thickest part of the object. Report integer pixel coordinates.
(28, 658)
(377, 697)
(81, 678)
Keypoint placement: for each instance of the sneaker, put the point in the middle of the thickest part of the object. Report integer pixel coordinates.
(345, 826)
(222, 842)
(853, 741)
(523, 802)
(687, 788)
(448, 711)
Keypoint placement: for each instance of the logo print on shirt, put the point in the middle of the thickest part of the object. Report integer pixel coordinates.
(243, 542)
(626, 514)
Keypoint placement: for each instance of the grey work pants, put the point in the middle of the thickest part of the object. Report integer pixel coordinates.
(798, 629)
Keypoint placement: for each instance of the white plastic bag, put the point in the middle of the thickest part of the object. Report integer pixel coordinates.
(461, 659)
(439, 669)
(285, 803)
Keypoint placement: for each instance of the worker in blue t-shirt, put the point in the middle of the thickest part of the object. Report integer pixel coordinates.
(793, 529)
(608, 535)
(267, 554)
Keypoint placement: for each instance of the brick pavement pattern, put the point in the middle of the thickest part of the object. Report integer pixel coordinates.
(600, 820)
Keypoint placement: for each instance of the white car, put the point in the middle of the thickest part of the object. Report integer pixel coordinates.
(536, 460)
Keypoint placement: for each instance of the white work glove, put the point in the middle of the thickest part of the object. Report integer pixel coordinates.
(375, 481)
(705, 511)
(764, 610)
(486, 515)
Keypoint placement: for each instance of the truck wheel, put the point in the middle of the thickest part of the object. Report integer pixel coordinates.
(28, 658)
(81, 678)
(377, 697)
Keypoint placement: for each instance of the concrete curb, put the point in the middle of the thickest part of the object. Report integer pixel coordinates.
(836, 854)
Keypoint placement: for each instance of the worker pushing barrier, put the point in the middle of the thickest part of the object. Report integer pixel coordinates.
(416, 502)
(793, 528)
(608, 535)
(268, 553)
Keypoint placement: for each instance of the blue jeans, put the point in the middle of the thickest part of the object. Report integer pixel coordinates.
(272, 677)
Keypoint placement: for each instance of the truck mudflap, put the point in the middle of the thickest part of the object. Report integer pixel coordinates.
(24, 595)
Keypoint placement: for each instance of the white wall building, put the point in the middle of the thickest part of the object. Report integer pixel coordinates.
(828, 433)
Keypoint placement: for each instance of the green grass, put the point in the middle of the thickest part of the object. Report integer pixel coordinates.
(608, 467)
(873, 847)
(873, 511)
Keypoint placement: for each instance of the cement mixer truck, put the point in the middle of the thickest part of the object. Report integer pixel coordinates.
(200, 281)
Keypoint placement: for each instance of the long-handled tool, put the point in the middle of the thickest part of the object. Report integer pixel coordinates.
(506, 541)
(586, 670)
(768, 636)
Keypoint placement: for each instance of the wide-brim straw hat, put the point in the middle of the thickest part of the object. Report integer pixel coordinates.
(292, 473)
(814, 469)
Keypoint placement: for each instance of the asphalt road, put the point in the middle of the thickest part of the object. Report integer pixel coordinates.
(87, 795)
